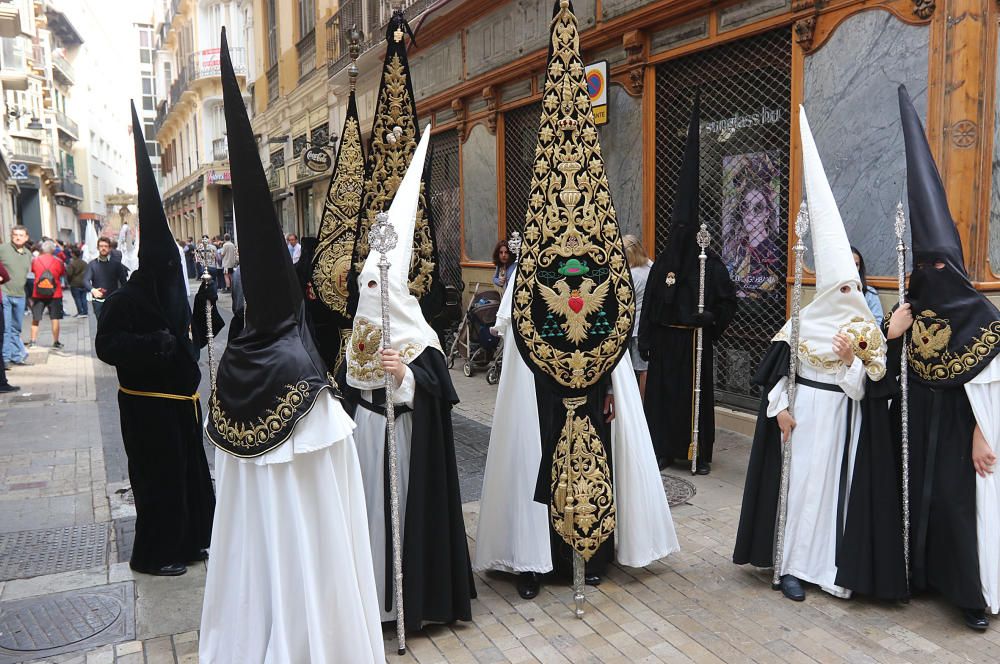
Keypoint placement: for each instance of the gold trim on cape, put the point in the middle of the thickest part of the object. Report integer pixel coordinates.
(253, 435)
(929, 355)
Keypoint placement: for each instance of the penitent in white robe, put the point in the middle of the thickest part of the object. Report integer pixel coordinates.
(984, 396)
(370, 440)
(513, 531)
(290, 579)
(818, 442)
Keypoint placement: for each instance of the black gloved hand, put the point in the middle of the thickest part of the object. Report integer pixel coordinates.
(208, 290)
(163, 343)
(645, 353)
(704, 319)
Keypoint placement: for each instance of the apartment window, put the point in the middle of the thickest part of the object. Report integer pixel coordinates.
(148, 93)
(168, 74)
(307, 17)
(272, 32)
(298, 145)
(278, 158)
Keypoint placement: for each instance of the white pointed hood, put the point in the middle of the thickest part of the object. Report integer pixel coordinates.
(410, 333)
(832, 311)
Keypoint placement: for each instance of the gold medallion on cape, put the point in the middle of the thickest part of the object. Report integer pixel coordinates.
(573, 302)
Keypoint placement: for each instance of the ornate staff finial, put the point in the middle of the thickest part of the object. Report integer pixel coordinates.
(354, 37)
(382, 237)
(514, 244)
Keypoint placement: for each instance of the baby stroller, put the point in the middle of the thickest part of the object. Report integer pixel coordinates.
(482, 345)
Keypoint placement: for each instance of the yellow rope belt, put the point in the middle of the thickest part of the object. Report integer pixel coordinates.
(164, 395)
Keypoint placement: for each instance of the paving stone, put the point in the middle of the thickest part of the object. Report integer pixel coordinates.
(37, 552)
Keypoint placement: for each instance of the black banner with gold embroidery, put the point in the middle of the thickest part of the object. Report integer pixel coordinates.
(393, 141)
(573, 302)
(332, 261)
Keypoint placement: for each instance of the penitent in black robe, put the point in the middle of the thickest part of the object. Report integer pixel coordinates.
(944, 553)
(167, 467)
(438, 584)
(668, 330)
(870, 557)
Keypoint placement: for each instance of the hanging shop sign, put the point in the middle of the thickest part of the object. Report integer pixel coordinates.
(317, 159)
(597, 88)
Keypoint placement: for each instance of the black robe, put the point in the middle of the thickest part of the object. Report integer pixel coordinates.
(944, 553)
(870, 556)
(167, 467)
(551, 419)
(438, 584)
(668, 330)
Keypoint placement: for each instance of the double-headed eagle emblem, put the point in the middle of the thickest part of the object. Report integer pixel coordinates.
(575, 304)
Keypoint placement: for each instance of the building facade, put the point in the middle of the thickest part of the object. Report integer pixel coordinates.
(477, 70)
(190, 124)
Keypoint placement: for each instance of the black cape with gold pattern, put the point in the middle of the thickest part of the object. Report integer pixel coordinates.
(331, 264)
(271, 372)
(956, 330)
(573, 305)
(394, 138)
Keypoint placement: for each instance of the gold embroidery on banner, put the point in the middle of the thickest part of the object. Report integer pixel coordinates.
(340, 218)
(252, 435)
(868, 345)
(929, 339)
(387, 163)
(571, 229)
(582, 508)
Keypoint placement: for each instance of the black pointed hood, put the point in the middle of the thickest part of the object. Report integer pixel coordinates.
(388, 158)
(270, 374)
(680, 257)
(160, 270)
(956, 330)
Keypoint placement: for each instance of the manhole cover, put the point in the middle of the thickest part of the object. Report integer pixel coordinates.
(31, 553)
(65, 622)
(679, 490)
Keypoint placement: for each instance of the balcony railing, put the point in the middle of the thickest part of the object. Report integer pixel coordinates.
(371, 18)
(220, 149)
(178, 87)
(61, 68)
(206, 63)
(28, 150)
(68, 186)
(307, 54)
(66, 125)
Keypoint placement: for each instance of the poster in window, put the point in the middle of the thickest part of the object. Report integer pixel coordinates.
(751, 225)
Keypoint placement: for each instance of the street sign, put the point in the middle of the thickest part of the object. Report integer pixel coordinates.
(317, 159)
(597, 88)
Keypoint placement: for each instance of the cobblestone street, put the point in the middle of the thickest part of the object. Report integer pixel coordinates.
(67, 594)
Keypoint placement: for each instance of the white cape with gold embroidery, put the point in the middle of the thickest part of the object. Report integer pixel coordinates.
(290, 576)
(513, 531)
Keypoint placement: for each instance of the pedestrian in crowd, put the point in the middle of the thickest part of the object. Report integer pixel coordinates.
(290, 545)
(503, 262)
(954, 401)
(29, 279)
(669, 324)
(4, 385)
(143, 332)
(76, 273)
(15, 256)
(217, 271)
(229, 260)
(104, 275)
(843, 525)
(47, 295)
(294, 248)
(871, 295)
(639, 264)
(189, 257)
(116, 253)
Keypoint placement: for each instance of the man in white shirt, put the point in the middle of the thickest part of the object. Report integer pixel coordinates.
(294, 248)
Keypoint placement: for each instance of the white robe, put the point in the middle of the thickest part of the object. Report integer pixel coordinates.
(984, 395)
(810, 549)
(513, 531)
(370, 441)
(290, 579)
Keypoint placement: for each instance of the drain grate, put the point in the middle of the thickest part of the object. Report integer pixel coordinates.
(679, 490)
(66, 622)
(31, 553)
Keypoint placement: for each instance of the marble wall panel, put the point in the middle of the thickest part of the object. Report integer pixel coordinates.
(438, 68)
(851, 100)
(621, 146)
(479, 178)
(515, 29)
